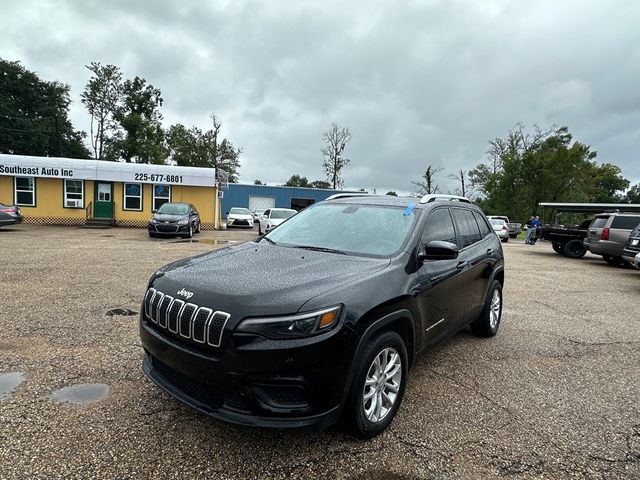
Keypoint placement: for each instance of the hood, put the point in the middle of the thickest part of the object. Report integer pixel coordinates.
(255, 279)
(168, 218)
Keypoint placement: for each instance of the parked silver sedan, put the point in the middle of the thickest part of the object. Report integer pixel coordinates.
(500, 228)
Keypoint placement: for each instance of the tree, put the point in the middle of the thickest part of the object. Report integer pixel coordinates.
(320, 184)
(335, 140)
(546, 165)
(142, 136)
(297, 181)
(633, 195)
(194, 148)
(393, 194)
(464, 187)
(101, 96)
(258, 182)
(34, 116)
(427, 185)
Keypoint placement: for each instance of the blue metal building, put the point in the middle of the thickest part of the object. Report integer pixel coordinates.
(266, 196)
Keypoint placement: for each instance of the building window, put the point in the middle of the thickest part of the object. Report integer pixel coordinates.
(133, 196)
(25, 191)
(161, 195)
(73, 194)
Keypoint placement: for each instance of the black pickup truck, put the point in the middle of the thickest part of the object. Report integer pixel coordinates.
(567, 241)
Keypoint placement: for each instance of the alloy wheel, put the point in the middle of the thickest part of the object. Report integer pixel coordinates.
(495, 309)
(382, 384)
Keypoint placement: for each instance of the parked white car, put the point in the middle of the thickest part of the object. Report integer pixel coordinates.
(273, 217)
(239, 217)
(637, 261)
(500, 228)
(257, 213)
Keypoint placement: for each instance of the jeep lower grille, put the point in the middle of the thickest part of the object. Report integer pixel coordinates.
(187, 320)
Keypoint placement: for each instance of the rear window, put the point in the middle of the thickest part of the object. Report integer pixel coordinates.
(599, 222)
(625, 222)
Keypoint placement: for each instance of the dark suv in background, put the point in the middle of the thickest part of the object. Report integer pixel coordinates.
(322, 317)
(632, 248)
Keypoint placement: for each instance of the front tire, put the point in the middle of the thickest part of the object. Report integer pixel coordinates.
(378, 385)
(198, 228)
(190, 232)
(259, 228)
(557, 247)
(489, 321)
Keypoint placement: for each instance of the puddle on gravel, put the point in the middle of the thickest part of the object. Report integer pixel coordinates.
(9, 381)
(125, 312)
(81, 394)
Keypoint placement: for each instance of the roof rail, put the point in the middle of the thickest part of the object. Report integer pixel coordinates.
(434, 197)
(347, 195)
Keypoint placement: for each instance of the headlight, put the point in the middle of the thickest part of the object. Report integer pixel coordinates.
(153, 221)
(293, 326)
(183, 222)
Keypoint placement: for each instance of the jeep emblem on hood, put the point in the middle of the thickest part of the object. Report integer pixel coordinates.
(185, 293)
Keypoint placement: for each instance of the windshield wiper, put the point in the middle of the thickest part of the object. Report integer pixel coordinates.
(320, 249)
(269, 240)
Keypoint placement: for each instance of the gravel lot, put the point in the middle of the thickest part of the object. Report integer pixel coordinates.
(556, 394)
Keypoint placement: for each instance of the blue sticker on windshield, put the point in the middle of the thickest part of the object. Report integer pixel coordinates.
(408, 210)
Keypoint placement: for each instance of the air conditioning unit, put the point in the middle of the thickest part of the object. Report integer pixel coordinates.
(74, 203)
(220, 194)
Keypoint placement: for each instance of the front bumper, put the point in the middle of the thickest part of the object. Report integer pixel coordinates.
(168, 228)
(299, 387)
(240, 223)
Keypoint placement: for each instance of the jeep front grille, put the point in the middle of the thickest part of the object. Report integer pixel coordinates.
(188, 320)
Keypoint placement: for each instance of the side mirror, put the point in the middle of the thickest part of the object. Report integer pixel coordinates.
(227, 213)
(154, 211)
(439, 250)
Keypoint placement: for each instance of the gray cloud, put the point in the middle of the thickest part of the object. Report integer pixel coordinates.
(417, 82)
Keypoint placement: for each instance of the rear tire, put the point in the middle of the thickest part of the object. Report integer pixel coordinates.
(372, 403)
(505, 239)
(489, 321)
(558, 248)
(574, 249)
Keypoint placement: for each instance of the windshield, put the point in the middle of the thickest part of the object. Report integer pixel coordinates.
(357, 229)
(173, 209)
(240, 211)
(282, 213)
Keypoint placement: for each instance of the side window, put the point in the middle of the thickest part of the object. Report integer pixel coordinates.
(439, 227)
(467, 226)
(482, 223)
(625, 222)
(267, 213)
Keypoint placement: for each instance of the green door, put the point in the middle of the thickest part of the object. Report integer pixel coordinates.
(103, 200)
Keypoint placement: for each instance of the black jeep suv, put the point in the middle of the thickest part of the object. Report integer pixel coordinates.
(323, 316)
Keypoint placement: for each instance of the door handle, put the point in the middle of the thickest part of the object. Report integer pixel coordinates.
(489, 251)
(461, 264)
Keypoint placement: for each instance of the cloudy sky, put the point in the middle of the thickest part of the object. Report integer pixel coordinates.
(417, 82)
